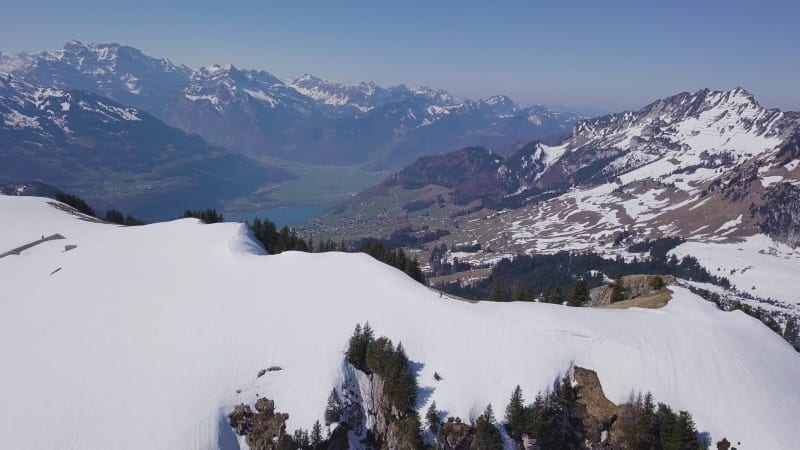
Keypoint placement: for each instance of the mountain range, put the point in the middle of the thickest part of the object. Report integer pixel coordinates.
(116, 156)
(712, 167)
(306, 119)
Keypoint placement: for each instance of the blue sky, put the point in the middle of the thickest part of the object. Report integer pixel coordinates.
(602, 54)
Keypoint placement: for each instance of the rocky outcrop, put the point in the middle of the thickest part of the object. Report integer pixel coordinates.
(370, 417)
(455, 435)
(262, 427)
(592, 412)
(635, 286)
(781, 213)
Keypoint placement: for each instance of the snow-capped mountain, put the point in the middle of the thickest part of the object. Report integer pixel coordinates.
(712, 167)
(121, 73)
(351, 99)
(114, 154)
(303, 119)
(725, 125)
(159, 362)
(247, 110)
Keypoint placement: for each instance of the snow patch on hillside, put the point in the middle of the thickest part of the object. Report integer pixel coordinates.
(15, 119)
(759, 265)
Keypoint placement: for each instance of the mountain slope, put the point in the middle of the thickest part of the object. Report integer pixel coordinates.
(713, 167)
(158, 363)
(121, 73)
(306, 119)
(115, 155)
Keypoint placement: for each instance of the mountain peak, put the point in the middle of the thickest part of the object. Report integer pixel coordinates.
(74, 43)
(214, 69)
(740, 95)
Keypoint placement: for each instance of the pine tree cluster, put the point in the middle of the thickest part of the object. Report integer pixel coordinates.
(646, 425)
(76, 202)
(546, 419)
(487, 436)
(551, 277)
(578, 293)
(114, 216)
(379, 356)
(395, 258)
(643, 425)
(278, 241)
(303, 439)
(208, 216)
(333, 410)
(618, 292)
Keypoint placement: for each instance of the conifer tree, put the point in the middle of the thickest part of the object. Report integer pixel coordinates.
(578, 294)
(132, 221)
(515, 414)
(316, 435)
(618, 293)
(333, 410)
(76, 202)
(666, 419)
(494, 293)
(487, 436)
(369, 335)
(432, 418)
(792, 331)
(518, 294)
(114, 216)
(356, 353)
(410, 432)
(684, 434)
(301, 439)
(644, 426)
(657, 283)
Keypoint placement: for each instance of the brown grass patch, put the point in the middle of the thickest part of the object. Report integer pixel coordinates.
(653, 301)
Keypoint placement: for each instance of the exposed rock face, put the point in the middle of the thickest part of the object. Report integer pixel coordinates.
(261, 427)
(368, 415)
(781, 213)
(593, 413)
(379, 410)
(455, 435)
(635, 286)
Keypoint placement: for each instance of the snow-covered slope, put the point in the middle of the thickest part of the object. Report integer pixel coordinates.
(143, 336)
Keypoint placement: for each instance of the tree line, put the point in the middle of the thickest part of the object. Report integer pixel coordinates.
(553, 277)
(112, 215)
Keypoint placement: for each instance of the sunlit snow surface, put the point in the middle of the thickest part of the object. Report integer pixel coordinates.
(144, 335)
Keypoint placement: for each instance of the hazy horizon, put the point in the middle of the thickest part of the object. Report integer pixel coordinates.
(587, 56)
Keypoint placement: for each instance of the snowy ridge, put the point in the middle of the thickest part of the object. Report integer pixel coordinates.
(157, 364)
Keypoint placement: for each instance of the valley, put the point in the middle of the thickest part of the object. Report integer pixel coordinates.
(314, 189)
